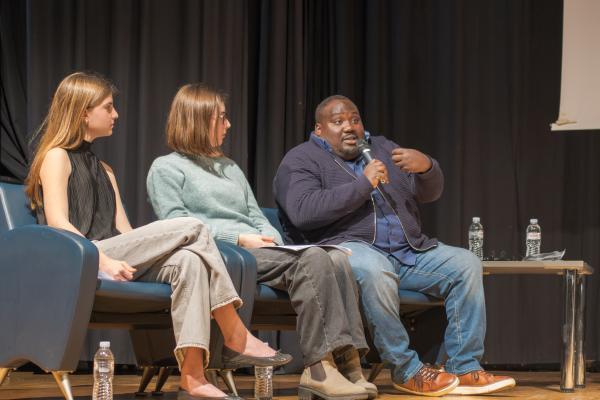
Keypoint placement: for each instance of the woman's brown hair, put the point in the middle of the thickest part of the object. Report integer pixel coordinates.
(192, 120)
(64, 126)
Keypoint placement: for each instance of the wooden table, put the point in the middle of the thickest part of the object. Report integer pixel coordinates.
(574, 273)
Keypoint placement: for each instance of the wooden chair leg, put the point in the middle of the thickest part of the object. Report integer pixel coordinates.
(3, 374)
(62, 379)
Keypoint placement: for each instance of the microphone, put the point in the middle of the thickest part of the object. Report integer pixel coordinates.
(365, 150)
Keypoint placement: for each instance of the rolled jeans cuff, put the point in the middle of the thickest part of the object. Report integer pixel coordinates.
(236, 300)
(463, 369)
(408, 374)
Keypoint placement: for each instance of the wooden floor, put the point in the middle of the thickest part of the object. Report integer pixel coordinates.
(530, 385)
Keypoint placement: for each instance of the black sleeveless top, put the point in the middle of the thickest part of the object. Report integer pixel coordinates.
(92, 203)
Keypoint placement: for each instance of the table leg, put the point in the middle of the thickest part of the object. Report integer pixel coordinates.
(580, 332)
(567, 380)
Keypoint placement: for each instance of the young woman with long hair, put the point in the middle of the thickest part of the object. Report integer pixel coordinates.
(71, 189)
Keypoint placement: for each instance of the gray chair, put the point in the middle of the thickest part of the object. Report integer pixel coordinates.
(273, 309)
(50, 295)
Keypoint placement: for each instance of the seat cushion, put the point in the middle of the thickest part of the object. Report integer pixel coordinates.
(269, 301)
(131, 297)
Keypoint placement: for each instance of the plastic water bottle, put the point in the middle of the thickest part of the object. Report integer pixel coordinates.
(104, 365)
(476, 238)
(263, 383)
(533, 238)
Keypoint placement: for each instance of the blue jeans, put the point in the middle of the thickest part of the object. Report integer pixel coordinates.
(450, 273)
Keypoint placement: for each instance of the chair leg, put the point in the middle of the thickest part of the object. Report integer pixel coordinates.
(3, 374)
(163, 375)
(211, 376)
(375, 370)
(147, 376)
(62, 379)
(227, 376)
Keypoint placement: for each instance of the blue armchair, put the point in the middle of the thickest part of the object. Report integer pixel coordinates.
(50, 295)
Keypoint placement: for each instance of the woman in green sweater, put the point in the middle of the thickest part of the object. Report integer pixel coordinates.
(197, 180)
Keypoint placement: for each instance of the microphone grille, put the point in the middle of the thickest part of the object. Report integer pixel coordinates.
(363, 145)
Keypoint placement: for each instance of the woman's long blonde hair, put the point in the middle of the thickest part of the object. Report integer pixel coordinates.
(64, 126)
(191, 120)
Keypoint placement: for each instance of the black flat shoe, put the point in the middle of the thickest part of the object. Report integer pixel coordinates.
(233, 359)
(183, 394)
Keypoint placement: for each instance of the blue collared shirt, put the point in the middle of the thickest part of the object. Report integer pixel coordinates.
(389, 234)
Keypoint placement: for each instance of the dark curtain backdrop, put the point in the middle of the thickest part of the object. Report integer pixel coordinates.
(473, 83)
(13, 94)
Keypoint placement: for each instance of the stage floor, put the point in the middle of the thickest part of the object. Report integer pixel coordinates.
(530, 385)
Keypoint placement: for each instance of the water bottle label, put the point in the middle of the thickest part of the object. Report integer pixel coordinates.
(476, 235)
(534, 235)
(103, 370)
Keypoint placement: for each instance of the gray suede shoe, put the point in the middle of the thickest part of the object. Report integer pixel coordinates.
(322, 380)
(348, 363)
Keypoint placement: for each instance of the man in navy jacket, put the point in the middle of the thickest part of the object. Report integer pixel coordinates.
(328, 194)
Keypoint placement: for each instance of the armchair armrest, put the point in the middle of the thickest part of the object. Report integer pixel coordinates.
(241, 266)
(47, 286)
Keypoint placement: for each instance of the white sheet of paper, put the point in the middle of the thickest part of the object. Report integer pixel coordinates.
(300, 247)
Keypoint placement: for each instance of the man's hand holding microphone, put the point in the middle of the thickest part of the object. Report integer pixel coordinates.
(408, 160)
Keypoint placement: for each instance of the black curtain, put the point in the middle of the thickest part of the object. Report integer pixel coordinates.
(13, 91)
(474, 84)
(148, 49)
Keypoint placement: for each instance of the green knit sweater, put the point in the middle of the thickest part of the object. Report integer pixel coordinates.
(213, 190)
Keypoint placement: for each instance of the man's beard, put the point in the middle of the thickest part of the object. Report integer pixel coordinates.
(349, 153)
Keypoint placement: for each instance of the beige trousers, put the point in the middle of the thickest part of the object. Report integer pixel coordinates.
(179, 251)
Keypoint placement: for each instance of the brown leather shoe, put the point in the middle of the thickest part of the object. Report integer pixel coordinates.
(481, 382)
(429, 382)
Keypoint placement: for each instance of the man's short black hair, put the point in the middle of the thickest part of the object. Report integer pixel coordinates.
(326, 101)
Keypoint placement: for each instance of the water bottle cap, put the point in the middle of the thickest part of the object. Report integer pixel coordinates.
(105, 345)
(476, 220)
(533, 221)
